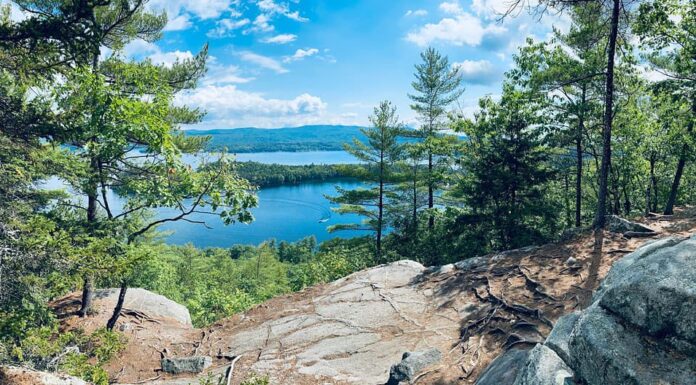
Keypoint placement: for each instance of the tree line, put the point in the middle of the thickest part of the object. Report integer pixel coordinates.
(579, 132)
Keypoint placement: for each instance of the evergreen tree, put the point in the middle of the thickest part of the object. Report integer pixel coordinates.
(506, 173)
(436, 87)
(379, 155)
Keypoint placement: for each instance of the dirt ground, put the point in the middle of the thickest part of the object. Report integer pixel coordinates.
(351, 331)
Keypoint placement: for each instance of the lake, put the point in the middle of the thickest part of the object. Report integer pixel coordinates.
(285, 213)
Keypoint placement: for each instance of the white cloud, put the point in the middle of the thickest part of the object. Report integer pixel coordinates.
(261, 24)
(225, 26)
(219, 74)
(416, 13)
(301, 54)
(169, 58)
(477, 71)
(228, 106)
(263, 61)
(139, 49)
(203, 9)
(16, 14)
(491, 8)
(452, 8)
(178, 23)
(462, 29)
(271, 7)
(280, 39)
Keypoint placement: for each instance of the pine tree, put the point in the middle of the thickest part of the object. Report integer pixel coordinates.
(379, 156)
(436, 87)
(506, 172)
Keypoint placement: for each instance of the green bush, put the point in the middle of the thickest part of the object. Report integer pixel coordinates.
(75, 353)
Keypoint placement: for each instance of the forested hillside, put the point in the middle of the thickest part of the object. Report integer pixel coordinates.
(593, 121)
(305, 138)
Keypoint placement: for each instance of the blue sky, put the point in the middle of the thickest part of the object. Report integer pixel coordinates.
(279, 63)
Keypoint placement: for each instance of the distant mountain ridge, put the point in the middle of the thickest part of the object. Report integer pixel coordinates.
(293, 139)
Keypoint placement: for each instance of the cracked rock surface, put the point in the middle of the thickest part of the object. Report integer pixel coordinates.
(638, 330)
(352, 331)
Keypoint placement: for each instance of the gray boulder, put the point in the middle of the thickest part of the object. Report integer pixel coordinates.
(639, 329)
(505, 368)
(544, 367)
(194, 364)
(411, 365)
(148, 303)
(606, 351)
(616, 224)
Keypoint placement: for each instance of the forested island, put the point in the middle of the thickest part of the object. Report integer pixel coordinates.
(269, 175)
(577, 136)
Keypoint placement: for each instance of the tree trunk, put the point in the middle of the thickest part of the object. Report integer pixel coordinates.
(414, 213)
(431, 200)
(566, 199)
(91, 218)
(669, 207)
(87, 290)
(119, 306)
(653, 180)
(579, 161)
(380, 207)
(600, 217)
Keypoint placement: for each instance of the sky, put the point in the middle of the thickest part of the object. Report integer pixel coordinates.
(284, 63)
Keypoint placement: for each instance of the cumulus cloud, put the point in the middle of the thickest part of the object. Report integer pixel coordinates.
(16, 14)
(280, 39)
(228, 106)
(263, 61)
(416, 13)
(220, 74)
(459, 29)
(271, 7)
(225, 26)
(301, 54)
(261, 24)
(179, 23)
(169, 58)
(452, 8)
(477, 71)
(491, 8)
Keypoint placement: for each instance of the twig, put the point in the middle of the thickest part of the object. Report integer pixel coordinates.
(229, 371)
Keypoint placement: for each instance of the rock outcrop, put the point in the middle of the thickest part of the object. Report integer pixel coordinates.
(146, 302)
(193, 364)
(412, 365)
(639, 329)
(10, 375)
(352, 331)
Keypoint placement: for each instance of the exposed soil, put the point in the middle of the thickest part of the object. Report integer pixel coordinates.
(351, 331)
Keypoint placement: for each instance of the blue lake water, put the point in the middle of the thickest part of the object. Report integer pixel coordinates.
(287, 213)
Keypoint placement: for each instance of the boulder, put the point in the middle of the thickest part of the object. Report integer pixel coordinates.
(10, 375)
(148, 303)
(639, 329)
(504, 369)
(616, 224)
(544, 367)
(411, 365)
(178, 365)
